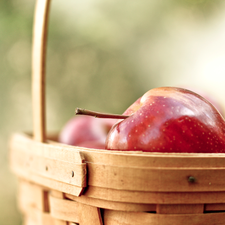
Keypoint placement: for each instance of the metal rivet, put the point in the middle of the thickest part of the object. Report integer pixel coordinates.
(72, 173)
(191, 179)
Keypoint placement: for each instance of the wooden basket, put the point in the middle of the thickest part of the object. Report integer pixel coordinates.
(61, 184)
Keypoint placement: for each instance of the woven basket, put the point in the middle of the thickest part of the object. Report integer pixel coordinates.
(61, 184)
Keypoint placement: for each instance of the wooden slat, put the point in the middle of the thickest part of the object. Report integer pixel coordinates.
(27, 163)
(156, 179)
(48, 165)
(58, 195)
(125, 218)
(30, 195)
(75, 212)
(155, 197)
(215, 207)
(23, 142)
(180, 208)
(149, 159)
(112, 204)
(89, 215)
(34, 216)
(54, 185)
(64, 209)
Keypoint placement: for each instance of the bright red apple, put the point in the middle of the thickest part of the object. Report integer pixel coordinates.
(170, 119)
(86, 131)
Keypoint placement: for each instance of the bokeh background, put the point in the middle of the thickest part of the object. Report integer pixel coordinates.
(103, 55)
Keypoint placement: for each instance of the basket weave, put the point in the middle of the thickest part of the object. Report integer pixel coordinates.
(61, 184)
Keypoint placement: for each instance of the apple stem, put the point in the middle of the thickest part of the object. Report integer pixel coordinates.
(80, 111)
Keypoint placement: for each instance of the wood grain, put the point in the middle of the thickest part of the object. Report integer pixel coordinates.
(64, 209)
(89, 215)
(180, 208)
(28, 164)
(58, 221)
(112, 204)
(102, 172)
(75, 212)
(38, 68)
(34, 162)
(43, 164)
(138, 218)
(154, 197)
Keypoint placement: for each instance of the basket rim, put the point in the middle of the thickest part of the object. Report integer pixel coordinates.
(128, 153)
(113, 170)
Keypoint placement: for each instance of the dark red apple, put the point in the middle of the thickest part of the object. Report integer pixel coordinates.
(86, 131)
(170, 119)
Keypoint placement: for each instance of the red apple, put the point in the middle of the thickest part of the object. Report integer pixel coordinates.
(169, 119)
(86, 131)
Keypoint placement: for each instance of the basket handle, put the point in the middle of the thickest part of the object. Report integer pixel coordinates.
(38, 68)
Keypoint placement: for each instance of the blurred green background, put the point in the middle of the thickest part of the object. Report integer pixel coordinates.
(103, 55)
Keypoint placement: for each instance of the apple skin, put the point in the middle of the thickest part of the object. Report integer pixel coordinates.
(211, 98)
(169, 119)
(86, 131)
